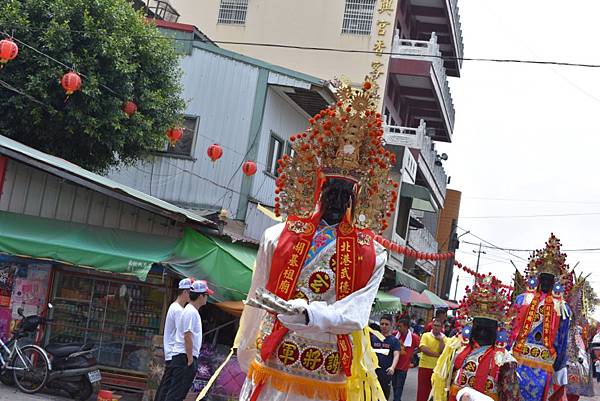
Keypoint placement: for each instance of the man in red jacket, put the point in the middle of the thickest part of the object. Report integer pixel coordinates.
(440, 316)
(409, 341)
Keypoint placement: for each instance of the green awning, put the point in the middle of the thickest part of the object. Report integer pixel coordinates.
(386, 303)
(435, 300)
(226, 266)
(107, 249)
(421, 197)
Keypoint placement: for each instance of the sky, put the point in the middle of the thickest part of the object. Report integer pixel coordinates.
(526, 138)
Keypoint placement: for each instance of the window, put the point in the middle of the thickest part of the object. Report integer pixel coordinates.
(358, 17)
(276, 148)
(233, 12)
(185, 146)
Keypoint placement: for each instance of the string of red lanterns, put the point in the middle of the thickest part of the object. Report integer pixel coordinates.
(479, 275)
(411, 253)
(71, 82)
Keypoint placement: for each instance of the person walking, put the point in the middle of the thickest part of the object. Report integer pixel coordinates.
(409, 341)
(188, 340)
(431, 347)
(173, 316)
(440, 315)
(388, 354)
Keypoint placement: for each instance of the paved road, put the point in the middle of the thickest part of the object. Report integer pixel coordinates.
(409, 394)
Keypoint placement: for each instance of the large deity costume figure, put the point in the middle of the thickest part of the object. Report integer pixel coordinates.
(540, 330)
(477, 359)
(302, 335)
(579, 369)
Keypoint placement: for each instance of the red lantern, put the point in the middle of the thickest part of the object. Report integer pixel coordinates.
(174, 134)
(249, 168)
(71, 82)
(129, 108)
(214, 152)
(8, 50)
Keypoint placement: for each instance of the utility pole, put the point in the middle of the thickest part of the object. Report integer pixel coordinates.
(479, 252)
(456, 288)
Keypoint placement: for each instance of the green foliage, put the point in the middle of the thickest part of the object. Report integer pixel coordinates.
(113, 46)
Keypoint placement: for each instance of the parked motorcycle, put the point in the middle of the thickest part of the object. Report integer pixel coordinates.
(74, 369)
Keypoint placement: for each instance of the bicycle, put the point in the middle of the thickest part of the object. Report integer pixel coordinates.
(29, 364)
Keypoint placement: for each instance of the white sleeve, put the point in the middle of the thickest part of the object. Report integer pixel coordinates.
(166, 335)
(349, 314)
(245, 340)
(187, 321)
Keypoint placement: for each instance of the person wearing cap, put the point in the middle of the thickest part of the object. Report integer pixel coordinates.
(188, 340)
(173, 316)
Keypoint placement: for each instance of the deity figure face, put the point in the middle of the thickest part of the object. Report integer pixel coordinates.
(546, 282)
(484, 331)
(337, 196)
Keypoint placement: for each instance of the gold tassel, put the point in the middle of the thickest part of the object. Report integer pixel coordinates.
(286, 383)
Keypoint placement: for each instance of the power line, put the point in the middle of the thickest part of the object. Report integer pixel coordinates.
(359, 51)
(60, 63)
(533, 200)
(532, 250)
(528, 216)
(489, 243)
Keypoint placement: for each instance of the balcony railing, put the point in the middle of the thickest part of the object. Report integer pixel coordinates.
(417, 138)
(421, 240)
(159, 9)
(430, 51)
(458, 28)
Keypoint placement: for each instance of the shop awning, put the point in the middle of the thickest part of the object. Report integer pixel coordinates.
(405, 279)
(386, 303)
(436, 301)
(113, 250)
(226, 266)
(452, 304)
(408, 296)
(421, 198)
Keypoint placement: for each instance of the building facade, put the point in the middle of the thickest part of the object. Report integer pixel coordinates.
(410, 48)
(249, 108)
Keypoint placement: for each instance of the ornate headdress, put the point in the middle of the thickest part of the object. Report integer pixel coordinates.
(550, 260)
(488, 299)
(345, 141)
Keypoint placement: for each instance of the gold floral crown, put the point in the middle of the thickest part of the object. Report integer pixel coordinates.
(549, 260)
(488, 299)
(344, 141)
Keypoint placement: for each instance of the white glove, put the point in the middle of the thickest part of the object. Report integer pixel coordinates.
(321, 318)
(295, 322)
(469, 394)
(561, 377)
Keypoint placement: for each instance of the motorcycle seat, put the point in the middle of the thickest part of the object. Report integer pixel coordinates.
(63, 350)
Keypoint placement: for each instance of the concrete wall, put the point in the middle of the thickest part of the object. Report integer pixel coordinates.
(307, 23)
(448, 215)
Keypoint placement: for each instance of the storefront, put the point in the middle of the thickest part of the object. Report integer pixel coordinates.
(115, 315)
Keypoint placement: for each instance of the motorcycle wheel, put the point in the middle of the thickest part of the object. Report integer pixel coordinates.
(6, 378)
(85, 390)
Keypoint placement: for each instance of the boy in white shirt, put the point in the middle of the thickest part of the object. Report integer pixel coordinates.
(188, 340)
(173, 316)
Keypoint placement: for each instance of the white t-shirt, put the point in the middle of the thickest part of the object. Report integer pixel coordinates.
(189, 322)
(173, 316)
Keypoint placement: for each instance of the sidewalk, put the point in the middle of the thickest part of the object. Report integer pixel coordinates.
(13, 394)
